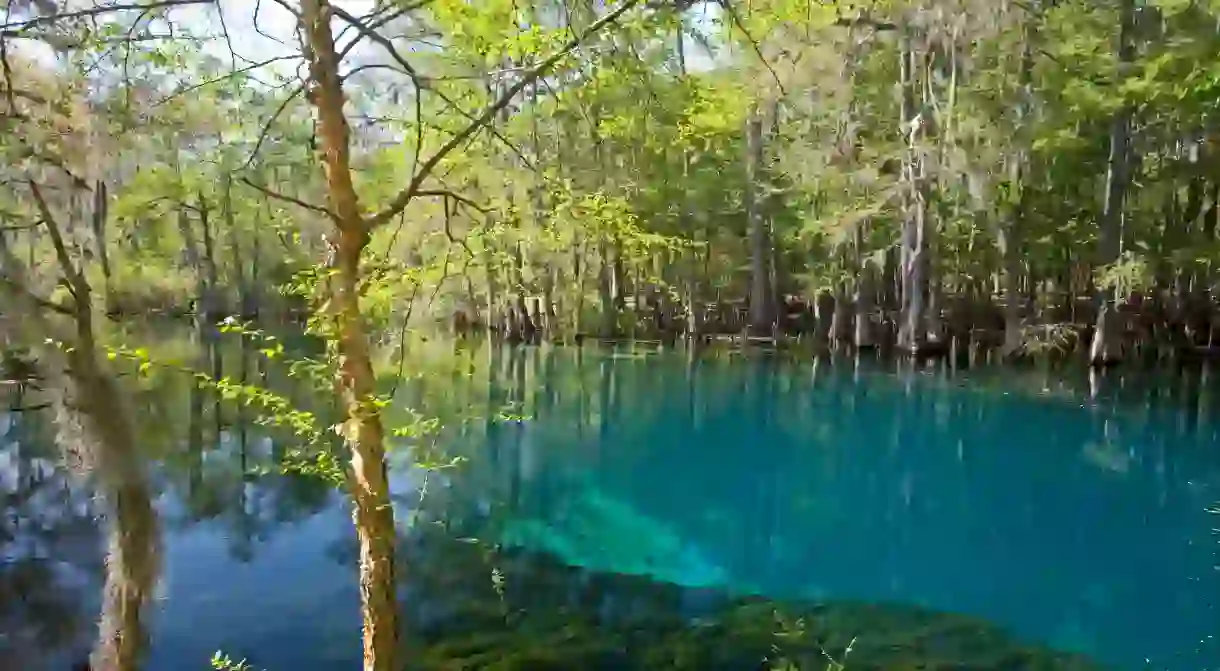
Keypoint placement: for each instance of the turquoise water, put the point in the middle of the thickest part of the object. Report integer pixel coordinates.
(1072, 515)
(1078, 522)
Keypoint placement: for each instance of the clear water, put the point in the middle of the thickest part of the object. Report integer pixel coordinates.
(1079, 522)
(1073, 516)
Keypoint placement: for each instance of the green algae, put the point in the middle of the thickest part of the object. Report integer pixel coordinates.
(540, 615)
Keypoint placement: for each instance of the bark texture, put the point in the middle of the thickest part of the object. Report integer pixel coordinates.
(1106, 347)
(762, 312)
(362, 430)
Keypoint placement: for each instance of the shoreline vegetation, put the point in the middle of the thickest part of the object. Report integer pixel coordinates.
(909, 177)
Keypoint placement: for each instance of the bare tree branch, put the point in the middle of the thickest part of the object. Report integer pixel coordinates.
(258, 7)
(372, 22)
(20, 26)
(446, 193)
(50, 305)
(126, 67)
(289, 8)
(217, 80)
(404, 197)
(379, 39)
(286, 198)
(397, 57)
(76, 281)
(56, 162)
(490, 127)
(728, 7)
(262, 135)
(21, 227)
(16, 285)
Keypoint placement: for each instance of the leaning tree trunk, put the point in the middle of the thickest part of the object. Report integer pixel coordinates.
(1105, 347)
(362, 429)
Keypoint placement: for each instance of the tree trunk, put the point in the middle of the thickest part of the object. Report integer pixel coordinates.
(762, 316)
(239, 265)
(824, 310)
(99, 214)
(611, 286)
(691, 255)
(256, 294)
(578, 272)
(1012, 268)
(1105, 347)
(524, 327)
(494, 315)
(1010, 231)
(913, 260)
(362, 429)
(619, 292)
(865, 332)
(191, 251)
(211, 298)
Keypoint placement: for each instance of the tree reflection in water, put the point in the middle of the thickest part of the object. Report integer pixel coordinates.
(48, 548)
(470, 605)
(96, 438)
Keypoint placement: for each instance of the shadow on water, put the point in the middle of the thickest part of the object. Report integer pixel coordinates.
(624, 509)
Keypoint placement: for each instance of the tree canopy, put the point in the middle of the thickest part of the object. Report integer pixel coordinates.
(910, 173)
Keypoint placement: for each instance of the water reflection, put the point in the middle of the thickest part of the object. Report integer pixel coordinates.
(48, 542)
(630, 509)
(1070, 509)
(94, 435)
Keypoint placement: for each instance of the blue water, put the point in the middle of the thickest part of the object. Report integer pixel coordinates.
(1074, 517)
(1079, 522)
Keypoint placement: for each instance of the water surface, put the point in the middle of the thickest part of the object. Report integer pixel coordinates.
(1071, 516)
